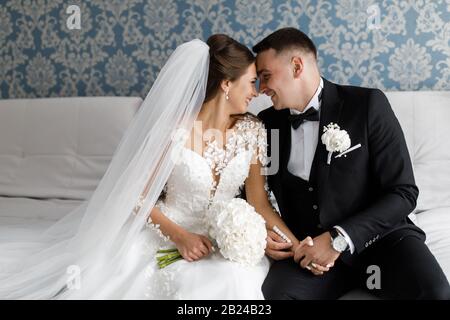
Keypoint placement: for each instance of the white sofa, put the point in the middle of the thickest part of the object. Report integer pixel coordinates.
(53, 153)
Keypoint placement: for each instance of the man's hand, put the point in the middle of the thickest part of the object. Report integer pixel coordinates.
(318, 258)
(277, 248)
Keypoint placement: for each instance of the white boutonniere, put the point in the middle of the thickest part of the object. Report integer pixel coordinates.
(336, 140)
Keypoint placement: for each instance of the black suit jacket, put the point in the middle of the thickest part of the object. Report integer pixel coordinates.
(371, 191)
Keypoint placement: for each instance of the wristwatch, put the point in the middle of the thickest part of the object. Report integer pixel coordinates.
(338, 241)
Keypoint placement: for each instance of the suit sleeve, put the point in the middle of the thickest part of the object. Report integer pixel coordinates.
(391, 167)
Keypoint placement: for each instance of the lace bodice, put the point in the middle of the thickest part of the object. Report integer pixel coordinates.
(189, 191)
(191, 187)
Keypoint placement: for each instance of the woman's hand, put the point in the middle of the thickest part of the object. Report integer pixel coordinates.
(193, 246)
(277, 248)
(190, 245)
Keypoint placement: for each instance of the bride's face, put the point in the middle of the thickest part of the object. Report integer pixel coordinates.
(242, 91)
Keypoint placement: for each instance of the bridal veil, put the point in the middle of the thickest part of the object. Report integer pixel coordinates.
(94, 237)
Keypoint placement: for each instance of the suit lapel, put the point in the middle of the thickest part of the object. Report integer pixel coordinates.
(286, 142)
(330, 111)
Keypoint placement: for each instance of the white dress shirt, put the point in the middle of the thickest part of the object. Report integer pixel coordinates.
(304, 141)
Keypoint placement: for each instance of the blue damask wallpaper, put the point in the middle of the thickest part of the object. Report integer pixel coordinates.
(117, 47)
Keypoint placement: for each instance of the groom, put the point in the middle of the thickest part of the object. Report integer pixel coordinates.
(354, 206)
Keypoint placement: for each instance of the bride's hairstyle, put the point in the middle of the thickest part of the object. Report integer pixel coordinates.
(229, 60)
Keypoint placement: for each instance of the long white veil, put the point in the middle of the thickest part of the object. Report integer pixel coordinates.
(95, 236)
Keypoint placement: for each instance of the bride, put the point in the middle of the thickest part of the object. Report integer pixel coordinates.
(150, 199)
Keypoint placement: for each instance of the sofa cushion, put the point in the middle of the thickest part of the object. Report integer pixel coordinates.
(26, 217)
(424, 119)
(59, 147)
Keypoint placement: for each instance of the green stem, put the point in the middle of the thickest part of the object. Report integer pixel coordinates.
(169, 259)
(167, 250)
(162, 266)
(168, 256)
(165, 263)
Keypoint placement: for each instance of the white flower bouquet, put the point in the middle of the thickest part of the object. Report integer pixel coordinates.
(238, 230)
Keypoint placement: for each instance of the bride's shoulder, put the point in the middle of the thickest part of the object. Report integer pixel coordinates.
(252, 135)
(249, 121)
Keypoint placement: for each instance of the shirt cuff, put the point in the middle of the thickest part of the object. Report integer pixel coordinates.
(347, 238)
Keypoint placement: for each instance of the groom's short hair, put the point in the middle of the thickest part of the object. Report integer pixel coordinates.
(286, 39)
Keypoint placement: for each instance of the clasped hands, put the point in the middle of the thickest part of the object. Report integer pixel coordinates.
(317, 255)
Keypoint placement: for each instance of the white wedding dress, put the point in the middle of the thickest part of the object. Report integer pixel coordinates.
(112, 250)
(189, 191)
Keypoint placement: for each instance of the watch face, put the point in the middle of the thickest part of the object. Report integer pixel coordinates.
(339, 244)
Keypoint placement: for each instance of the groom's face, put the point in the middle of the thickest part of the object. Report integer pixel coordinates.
(275, 73)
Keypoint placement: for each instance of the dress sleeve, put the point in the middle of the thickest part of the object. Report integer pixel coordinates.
(141, 199)
(261, 147)
(261, 154)
(256, 139)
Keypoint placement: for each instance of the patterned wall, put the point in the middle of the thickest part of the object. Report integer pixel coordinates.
(397, 45)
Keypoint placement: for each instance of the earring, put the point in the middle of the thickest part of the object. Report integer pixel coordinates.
(226, 95)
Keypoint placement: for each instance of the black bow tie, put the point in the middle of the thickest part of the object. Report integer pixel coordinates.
(297, 119)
